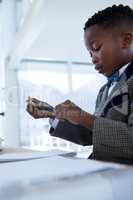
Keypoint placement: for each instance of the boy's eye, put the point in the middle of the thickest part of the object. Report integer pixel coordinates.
(96, 47)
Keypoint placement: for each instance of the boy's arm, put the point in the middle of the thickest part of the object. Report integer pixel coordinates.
(74, 133)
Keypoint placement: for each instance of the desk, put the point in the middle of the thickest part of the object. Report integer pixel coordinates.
(110, 184)
(16, 150)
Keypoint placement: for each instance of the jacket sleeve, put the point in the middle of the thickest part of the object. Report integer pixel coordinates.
(74, 133)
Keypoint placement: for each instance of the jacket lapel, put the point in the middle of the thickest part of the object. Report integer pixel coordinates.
(116, 94)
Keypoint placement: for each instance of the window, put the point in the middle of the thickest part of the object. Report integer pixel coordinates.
(54, 82)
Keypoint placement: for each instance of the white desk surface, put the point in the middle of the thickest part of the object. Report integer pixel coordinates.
(15, 150)
(60, 178)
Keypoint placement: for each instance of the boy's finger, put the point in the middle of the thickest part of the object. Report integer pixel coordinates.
(30, 108)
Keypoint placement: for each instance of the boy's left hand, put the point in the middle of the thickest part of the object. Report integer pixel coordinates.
(69, 111)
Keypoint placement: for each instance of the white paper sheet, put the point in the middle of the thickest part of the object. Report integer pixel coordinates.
(49, 169)
(11, 157)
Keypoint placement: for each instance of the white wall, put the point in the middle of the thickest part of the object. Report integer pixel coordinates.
(11, 122)
(62, 37)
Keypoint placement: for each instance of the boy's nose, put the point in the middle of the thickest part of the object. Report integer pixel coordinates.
(94, 60)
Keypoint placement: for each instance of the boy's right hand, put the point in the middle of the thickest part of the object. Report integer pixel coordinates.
(34, 110)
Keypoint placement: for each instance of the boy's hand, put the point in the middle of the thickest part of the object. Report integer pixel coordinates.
(40, 104)
(69, 111)
(39, 109)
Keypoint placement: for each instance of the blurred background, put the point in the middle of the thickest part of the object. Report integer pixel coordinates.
(42, 55)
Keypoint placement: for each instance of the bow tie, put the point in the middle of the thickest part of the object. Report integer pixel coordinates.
(113, 78)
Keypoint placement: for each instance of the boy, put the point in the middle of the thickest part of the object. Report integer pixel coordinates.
(108, 37)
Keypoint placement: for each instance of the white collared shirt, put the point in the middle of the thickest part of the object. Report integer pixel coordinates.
(121, 70)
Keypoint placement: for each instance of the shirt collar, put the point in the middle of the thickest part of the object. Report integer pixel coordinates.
(116, 75)
(121, 70)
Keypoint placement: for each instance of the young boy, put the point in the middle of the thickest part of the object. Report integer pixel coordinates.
(108, 37)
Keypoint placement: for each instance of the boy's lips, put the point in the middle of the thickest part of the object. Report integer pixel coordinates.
(98, 68)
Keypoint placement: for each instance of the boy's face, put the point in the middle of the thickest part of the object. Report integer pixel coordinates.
(105, 49)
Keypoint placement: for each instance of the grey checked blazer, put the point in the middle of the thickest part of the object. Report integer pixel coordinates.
(112, 133)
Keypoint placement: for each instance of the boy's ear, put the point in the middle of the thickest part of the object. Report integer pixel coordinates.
(127, 39)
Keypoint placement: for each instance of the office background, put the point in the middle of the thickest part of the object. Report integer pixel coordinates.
(43, 56)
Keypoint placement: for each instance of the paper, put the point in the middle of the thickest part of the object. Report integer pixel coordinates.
(11, 157)
(52, 168)
(41, 177)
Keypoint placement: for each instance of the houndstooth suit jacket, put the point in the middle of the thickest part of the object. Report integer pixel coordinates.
(112, 133)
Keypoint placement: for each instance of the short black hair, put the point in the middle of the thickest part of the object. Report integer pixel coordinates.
(117, 16)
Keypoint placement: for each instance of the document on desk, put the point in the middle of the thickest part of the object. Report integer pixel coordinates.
(50, 169)
(12, 157)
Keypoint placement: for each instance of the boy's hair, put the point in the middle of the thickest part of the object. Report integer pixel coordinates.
(119, 17)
